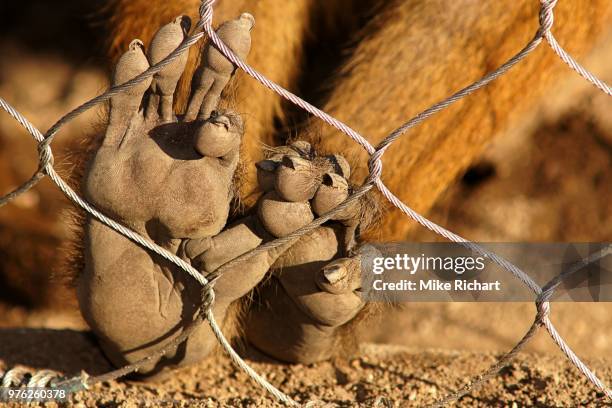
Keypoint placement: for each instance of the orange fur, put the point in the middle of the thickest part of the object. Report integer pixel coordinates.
(418, 52)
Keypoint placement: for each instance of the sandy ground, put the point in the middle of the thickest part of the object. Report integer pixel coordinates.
(423, 352)
(379, 376)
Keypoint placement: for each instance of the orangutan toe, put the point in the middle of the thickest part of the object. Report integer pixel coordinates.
(166, 40)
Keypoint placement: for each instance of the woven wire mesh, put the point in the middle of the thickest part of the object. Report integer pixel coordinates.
(373, 181)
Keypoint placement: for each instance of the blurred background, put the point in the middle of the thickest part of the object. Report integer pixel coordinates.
(548, 180)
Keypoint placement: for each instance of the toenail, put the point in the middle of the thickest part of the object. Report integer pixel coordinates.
(248, 17)
(136, 44)
(335, 180)
(334, 273)
(221, 120)
(266, 165)
(184, 21)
